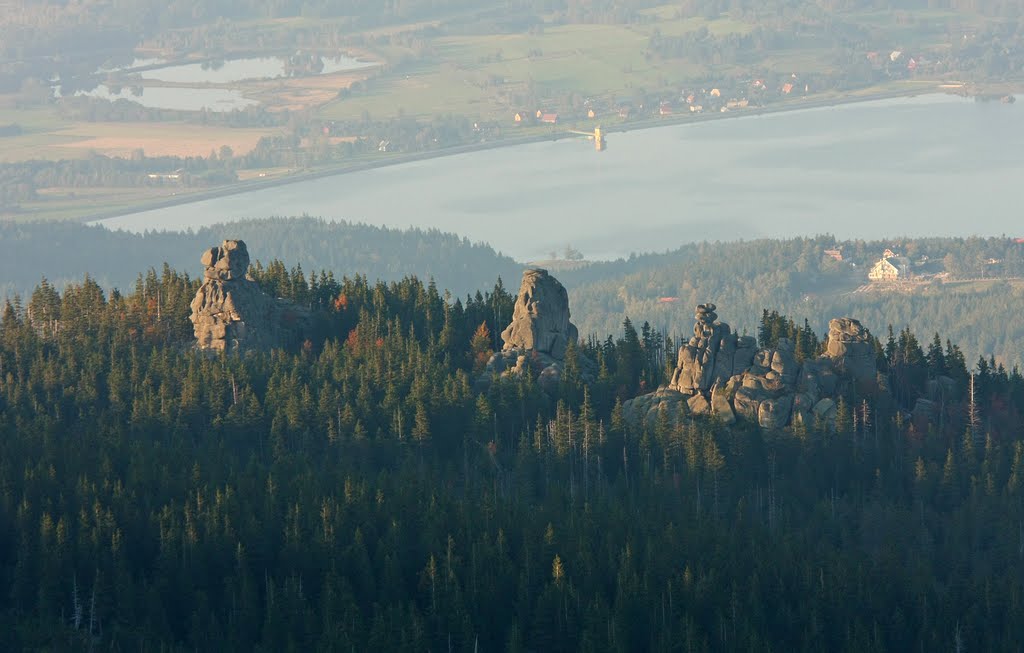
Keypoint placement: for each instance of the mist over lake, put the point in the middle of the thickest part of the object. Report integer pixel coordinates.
(931, 165)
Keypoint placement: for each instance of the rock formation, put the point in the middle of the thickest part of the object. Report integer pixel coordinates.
(649, 406)
(850, 349)
(231, 311)
(540, 320)
(539, 334)
(725, 375)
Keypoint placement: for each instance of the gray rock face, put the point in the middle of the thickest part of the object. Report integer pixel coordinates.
(698, 405)
(941, 388)
(774, 413)
(651, 406)
(720, 405)
(538, 336)
(728, 376)
(228, 262)
(695, 365)
(231, 311)
(540, 320)
(825, 412)
(850, 350)
(925, 411)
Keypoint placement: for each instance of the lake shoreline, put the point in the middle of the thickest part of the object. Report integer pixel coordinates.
(400, 159)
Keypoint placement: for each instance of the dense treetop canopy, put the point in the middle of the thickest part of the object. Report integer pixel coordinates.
(357, 491)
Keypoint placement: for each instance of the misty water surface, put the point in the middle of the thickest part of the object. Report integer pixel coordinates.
(236, 70)
(933, 165)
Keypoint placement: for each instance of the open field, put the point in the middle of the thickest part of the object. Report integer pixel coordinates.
(69, 203)
(162, 139)
(489, 76)
(51, 140)
(299, 94)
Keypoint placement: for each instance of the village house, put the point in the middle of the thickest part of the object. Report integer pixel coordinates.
(835, 254)
(894, 268)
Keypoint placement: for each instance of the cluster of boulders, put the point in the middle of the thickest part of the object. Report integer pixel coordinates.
(536, 340)
(230, 310)
(723, 374)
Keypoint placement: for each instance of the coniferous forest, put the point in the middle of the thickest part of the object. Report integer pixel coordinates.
(357, 492)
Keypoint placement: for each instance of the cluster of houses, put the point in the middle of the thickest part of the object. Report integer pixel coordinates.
(539, 116)
(895, 61)
(704, 100)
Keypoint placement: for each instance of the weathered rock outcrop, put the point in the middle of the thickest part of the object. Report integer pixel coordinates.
(725, 375)
(651, 406)
(695, 365)
(231, 311)
(851, 350)
(540, 333)
(540, 319)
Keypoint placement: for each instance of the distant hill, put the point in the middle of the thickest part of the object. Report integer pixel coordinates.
(65, 252)
(800, 279)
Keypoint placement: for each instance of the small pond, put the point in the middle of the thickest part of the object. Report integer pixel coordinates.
(111, 67)
(237, 70)
(179, 99)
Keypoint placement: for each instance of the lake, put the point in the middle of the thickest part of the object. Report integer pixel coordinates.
(237, 70)
(931, 165)
(176, 98)
(198, 98)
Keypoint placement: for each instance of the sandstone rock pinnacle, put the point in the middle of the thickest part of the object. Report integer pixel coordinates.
(540, 320)
(231, 311)
(536, 340)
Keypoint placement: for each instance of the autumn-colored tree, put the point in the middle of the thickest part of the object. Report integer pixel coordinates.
(480, 347)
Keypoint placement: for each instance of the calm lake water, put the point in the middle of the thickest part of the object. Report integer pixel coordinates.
(177, 98)
(237, 70)
(932, 165)
(197, 98)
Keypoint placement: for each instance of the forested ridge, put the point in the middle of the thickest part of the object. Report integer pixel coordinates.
(65, 251)
(793, 276)
(358, 493)
(796, 277)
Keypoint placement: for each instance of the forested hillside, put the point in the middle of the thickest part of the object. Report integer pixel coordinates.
(64, 252)
(797, 278)
(358, 493)
(793, 276)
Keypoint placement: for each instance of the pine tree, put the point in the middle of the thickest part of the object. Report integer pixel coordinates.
(557, 571)
(480, 347)
(421, 424)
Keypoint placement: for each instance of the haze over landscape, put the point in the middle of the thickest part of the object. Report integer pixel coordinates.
(514, 325)
(931, 165)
